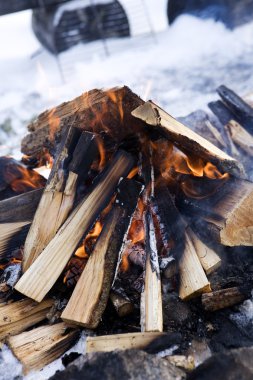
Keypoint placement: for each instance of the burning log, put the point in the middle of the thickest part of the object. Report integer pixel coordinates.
(151, 298)
(58, 197)
(122, 305)
(16, 214)
(43, 273)
(193, 280)
(186, 139)
(39, 347)
(241, 137)
(220, 299)
(242, 111)
(16, 179)
(18, 316)
(121, 341)
(209, 259)
(230, 223)
(92, 291)
(95, 111)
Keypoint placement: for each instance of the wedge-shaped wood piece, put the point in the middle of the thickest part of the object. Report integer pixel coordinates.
(16, 215)
(90, 296)
(223, 298)
(193, 280)
(151, 298)
(241, 137)
(242, 111)
(18, 316)
(122, 305)
(43, 273)
(231, 222)
(120, 341)
(209, 259)
(58, 197)
(39, 347)
(11, 236)
(186, 139)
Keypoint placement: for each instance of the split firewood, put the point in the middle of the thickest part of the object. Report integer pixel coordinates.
(217, 135)
(186, 139)
(220, 299)
(39, 347)
(241, 137)
(16, 214)
(95, 111)
(224, 215)
(193, 280)
(209, 259)
(18, 316)
(242, 111)
(122, 305)
(43, 273)
(221, 111)
(58, 197)
(121, 341)
(151, 298)
(92, 291)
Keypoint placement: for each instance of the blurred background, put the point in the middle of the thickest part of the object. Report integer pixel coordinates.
(175, 52)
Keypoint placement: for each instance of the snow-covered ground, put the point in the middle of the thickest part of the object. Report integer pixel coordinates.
(179, 68)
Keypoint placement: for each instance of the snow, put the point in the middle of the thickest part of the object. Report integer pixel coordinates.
(179, 68)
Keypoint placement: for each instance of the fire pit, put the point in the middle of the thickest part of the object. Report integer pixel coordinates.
(138, 219)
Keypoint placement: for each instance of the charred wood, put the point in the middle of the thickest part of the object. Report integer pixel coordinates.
(220, 299)
(102, 112)
(242, 110)
(92, 291)
(184, 138)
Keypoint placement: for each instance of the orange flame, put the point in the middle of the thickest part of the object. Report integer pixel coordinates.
(54, 123)
(102, 154)
(118, 100)
(133, 173)
(29, 180)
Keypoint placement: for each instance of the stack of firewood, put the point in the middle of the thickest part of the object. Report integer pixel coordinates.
(112, 153)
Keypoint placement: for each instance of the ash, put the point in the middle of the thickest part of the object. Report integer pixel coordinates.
(244, 317)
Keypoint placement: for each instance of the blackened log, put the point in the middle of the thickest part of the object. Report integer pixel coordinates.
(242, 110)
(221, 111)
(172, 226)
(104, 112)
(20, 208)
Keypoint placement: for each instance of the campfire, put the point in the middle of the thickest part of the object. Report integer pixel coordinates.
(134, 200)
